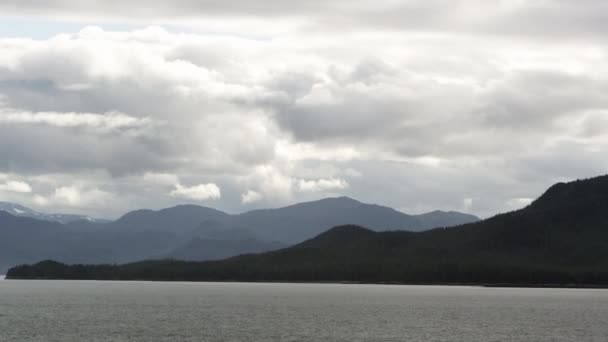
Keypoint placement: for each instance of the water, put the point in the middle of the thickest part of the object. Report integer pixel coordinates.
(91, 311)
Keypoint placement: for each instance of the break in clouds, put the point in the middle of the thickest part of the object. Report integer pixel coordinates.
(457, 105)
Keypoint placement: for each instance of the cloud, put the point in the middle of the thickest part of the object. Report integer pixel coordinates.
(15, 186)
(272, 181)
(40, 200)
(103, 122)
(518, 203)
(467, 204)
(70, 195)
(320, 185)
(251, 196)
(491, 101)
(161, 178)
(199, 192)
(491, 17)
(77, 196)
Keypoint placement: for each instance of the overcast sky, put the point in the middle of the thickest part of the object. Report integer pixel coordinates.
(468, 105)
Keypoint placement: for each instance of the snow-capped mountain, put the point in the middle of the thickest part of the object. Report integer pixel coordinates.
(19, 210)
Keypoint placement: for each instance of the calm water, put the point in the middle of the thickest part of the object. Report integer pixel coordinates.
(143, 311)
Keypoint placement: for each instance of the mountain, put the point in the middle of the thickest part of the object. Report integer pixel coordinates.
(23, 239)
(440, 218)
(192, 232)
(19, 210)
(302, 221)
(180, 219)
(296, 223)
(289, 224)
(216, 249)
(15, 243)
(561, 238)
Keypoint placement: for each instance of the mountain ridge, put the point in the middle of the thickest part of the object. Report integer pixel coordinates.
(189, 232)
(562, 239)
(23, 211)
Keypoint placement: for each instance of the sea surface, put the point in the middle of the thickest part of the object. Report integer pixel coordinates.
(77, 311)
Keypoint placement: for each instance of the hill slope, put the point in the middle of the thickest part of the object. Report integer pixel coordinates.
(561, 238)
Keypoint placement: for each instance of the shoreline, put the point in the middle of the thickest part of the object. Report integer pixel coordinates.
(480, 285)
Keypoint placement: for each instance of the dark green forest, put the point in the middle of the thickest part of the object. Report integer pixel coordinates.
(560, 239)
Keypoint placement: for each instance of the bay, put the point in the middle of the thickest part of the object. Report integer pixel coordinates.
(66, 311)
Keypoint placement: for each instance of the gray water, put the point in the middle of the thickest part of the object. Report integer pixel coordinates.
(88, 311)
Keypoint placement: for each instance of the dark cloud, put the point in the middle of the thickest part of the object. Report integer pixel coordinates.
(28, 149)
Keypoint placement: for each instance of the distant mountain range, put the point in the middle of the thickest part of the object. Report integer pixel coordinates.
(561, 238)
(289, 224)
(190, 232)
(19, 210)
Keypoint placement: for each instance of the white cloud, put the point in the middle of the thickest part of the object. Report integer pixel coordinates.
(78, 196)
(199, 192)
(467, 205)
(303, 151)
(15, 186)
(40, 200)
(105, 122)
(518, 203)
(251, 196)
(70, 195)
(272, 181)
(320, 185)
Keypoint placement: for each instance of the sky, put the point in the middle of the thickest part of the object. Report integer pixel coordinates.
(469, 105)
